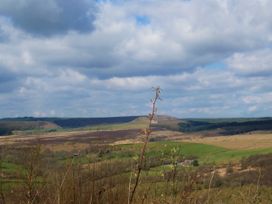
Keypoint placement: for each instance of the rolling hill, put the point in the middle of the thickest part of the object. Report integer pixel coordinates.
(225, 126)
(205, 127)
(8, 125)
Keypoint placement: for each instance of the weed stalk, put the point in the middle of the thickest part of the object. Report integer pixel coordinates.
(147, 133)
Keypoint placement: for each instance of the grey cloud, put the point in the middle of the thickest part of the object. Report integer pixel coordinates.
(8, 80)
(3, 36)
(5, 75)
(49, 17)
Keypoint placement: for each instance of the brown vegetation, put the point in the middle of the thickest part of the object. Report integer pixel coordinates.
(245, 141)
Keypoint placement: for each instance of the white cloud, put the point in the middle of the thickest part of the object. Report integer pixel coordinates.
(252, 108)
(181, 35)
(258, 99)
(27, 58)
(259, 61)
(119, 60)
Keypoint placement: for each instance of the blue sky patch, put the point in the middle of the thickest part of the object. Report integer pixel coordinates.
(216, 65)
(142, 20)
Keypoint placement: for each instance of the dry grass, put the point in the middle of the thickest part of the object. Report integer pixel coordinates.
(67, 146)
(168, 135)
(161, 135)
(18, 138)
(237, 142)
(70, 141)
(25, 137)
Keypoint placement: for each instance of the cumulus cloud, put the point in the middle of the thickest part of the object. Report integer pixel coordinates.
(258, 99)
(254, 62)
(180, 35)
(75, 58)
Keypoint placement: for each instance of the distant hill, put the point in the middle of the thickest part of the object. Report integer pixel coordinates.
(217, 126)
(168, 122)
(82, 122)
(206, 127)
(7, 125)
(226, 126)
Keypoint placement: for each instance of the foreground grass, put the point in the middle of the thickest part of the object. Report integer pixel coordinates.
(8, 167)
(105, 171)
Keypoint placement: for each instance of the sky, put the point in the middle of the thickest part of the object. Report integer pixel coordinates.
(100, 58)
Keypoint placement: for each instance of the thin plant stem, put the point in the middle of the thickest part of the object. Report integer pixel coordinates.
(147, 133)
(210, 185)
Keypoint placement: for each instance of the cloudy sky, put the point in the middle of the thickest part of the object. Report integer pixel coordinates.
(90, 58)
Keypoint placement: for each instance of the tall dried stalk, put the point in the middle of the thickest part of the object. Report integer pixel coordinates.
(210, 185)
(92, 186)
(129, 186)
(147, 133)
(32, 170)
(255, 198)
(2, 196)
(60, 186)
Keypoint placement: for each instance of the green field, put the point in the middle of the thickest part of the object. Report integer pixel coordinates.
(205, 153)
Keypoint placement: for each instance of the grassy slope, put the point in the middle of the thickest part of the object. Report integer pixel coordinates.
(28, 126)
(166, 150)
(71, 122)
(138, 123)
(8, 127)
(205, 153)
(159, 150)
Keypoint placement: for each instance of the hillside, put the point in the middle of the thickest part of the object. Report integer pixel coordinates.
(225, 126)
(216, 126)
(205, 127)
(8, 125)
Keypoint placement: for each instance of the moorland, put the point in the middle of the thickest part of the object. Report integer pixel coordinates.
(94, 160)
